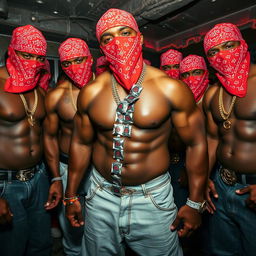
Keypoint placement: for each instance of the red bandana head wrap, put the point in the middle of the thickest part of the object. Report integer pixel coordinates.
(233, 65)
(124, 54)
(171, 57)
(101, 61)
(197, 84)
(80, 74)
(24, 74)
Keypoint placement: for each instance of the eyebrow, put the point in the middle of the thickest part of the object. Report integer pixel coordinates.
(109, 34)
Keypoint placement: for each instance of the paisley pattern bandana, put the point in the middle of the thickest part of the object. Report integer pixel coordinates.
(232, 64)
(45, 76)
(101, 61)
(80, 74)
(171, 57)
(197, 84)
(124, 54)
(24, 74)
(114, 18)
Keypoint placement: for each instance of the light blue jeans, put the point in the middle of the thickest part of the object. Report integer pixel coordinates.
(141, 219)
(72, 237)
(232, 228)
(29, 233)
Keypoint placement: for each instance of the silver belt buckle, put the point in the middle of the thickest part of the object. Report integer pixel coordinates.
(25, 175)
(120, 191)
(228, 176)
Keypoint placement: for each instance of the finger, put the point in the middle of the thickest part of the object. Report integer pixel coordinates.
(73, 221)
(209, 209)
(243, 190)
(210, 203)
(80, 218)
(184, 231)
(175, 223)
(213, 190)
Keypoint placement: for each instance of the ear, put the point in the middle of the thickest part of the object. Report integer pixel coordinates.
(141, 39)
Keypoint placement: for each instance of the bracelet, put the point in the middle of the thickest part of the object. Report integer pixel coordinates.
(70, 200)
(56, 179)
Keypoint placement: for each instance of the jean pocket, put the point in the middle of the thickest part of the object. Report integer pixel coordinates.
(162, 198)
(92, 191)
(2, 188)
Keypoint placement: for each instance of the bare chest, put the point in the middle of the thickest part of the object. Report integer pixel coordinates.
(151, 110)
(14, 109)
(242, 109)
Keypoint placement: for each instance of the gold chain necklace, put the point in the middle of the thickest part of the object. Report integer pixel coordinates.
(30, 112)
(225, 114)
(71, 93)
(114, 87)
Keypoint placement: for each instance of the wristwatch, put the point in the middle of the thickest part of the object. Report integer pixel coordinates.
(200, 206)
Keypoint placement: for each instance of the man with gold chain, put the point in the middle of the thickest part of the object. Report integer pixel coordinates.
(24, 184)
(123, 124)
(230, 108)
(76, 62)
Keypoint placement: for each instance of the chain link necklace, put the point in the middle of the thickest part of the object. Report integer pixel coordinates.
(30, 112)
(71, 94)
(114, 87)
(225, 114)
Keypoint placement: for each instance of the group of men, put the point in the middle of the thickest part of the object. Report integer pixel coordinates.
(106, 140)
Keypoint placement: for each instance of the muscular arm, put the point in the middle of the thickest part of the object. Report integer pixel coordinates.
(51, 147)
(211, 128)
(189, 123)
(51, 127)
(81, 146)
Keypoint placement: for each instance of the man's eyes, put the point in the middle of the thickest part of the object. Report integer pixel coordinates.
(125, 33)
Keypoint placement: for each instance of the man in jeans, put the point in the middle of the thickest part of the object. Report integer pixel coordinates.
(76, 62)
(230, 109)
(24, 223)
(123, 124)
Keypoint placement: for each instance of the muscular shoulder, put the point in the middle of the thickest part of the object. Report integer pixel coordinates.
(89, 93)
(174, 90)
(54, 96)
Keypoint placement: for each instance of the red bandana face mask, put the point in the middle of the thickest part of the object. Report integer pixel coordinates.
(80, 74)
(124, 55)
(45, 76)
(173, 73)
(197, 84)
(24, 74)
(233, 67)
(233, 64)
(101, 61)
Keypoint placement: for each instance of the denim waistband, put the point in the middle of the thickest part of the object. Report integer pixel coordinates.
(21, 174)
(231, 177)
(149, 186)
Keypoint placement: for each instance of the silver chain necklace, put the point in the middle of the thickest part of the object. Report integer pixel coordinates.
(114, 82)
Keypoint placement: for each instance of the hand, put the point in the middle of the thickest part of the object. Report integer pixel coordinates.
(55, 195)
(5, 212)
(191, 219)
(251, 200)
(74, 214)
(211, 190)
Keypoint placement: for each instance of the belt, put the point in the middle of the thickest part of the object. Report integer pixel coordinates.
(128, 190)
(231, 177)
(63, 158)
(21, 175)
